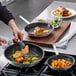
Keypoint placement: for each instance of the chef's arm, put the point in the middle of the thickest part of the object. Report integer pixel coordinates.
(5, 14)
(7, 17)
(16, 31)
(12, 24)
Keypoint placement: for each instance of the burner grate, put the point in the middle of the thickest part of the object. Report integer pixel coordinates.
(28, 71)
(40, 69)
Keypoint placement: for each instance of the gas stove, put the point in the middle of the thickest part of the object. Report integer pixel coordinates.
(40, 69)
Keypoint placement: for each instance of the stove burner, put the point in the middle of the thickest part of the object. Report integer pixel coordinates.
(68, 73)
(49, 72)
(39, 70)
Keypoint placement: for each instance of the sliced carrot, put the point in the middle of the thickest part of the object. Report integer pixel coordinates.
(20, 59)
(25, 50)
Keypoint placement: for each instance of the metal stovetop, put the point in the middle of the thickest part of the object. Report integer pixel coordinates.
(40, 69)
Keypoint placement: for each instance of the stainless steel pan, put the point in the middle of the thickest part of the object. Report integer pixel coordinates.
(29, 28)
(60, 56)
(34, 50)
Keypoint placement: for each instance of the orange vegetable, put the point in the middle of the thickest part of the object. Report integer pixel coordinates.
(60, 63)
(39, 30)
(20, 59)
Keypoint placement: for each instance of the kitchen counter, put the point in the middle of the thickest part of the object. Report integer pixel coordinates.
(46, 14)
(71, 49)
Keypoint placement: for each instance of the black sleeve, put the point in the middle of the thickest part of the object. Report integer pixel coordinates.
(5, 14)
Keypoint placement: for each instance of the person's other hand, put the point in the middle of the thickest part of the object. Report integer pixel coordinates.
(2, 41)
(17, 35)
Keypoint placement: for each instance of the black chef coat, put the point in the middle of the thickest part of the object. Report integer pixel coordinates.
(5, 14)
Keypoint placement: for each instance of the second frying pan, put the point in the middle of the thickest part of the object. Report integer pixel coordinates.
(30, 28)
(56, 57)
(60, 56)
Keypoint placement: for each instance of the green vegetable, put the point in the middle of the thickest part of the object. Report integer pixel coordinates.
(35, 60)
(34, 56)
(59, 15)
(55, 22)
(12, 59)
(27, 61)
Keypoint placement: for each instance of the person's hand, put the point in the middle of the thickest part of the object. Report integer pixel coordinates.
(2, 41)
(17, 35)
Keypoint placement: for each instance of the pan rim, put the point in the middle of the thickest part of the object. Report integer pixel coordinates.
(40, 35)
(28, 63)
(63, 58)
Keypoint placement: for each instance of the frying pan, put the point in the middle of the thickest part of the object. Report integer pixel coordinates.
(61, 56)
(56, 57)
(29, 28)
(33, 50)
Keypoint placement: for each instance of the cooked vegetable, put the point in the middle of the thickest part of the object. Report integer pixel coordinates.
(25, 59)
(26, 62)
(12, 59)
(21, 57)
(35, 58)
(59, 15)
(35, 61)
(55, 22)
(60, 63)
(39, 30)
(62, 12)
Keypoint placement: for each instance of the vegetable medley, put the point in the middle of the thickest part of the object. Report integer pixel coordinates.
(62, 12)
(22, 57)
(55, 22)
(60, 63)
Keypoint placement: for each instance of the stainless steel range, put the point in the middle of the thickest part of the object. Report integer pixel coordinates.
(39, 70)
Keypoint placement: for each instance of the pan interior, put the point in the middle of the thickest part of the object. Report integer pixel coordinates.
(34, 50)
(65, 57)
(30, 28)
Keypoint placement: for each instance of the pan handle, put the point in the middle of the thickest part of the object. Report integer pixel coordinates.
(25, 20)
(55, 49)
(8, 43)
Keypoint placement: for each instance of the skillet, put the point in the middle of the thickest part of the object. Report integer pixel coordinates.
(60, 56)
(34, 50)
(29, 28)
